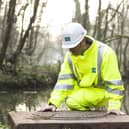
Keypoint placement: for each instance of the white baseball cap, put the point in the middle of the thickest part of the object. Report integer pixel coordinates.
(72, 35)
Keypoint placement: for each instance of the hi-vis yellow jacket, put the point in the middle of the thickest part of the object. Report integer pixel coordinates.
(96, 68)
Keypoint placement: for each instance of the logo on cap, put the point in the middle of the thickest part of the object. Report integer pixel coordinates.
(67, 39)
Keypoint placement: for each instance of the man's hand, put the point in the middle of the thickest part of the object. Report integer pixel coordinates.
(116, 112)
(48, 108)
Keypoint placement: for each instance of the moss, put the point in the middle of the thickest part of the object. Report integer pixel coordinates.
(3, 126)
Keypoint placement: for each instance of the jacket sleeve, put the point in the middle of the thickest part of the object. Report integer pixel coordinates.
(64, 85)
(112, 79)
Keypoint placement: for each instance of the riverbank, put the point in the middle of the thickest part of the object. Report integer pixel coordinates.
(30, 78)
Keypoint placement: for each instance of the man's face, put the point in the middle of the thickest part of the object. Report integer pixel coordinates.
(79, 49)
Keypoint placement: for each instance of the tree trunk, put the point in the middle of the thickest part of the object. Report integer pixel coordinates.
(86, 21)
(77, 17)
(10, 21)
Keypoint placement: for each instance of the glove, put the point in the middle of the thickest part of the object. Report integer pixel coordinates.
(116, 112)
(48, 108)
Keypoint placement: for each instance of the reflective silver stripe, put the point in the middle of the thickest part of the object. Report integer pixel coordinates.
(99, 61)
(114, 91)
(71, 66)
(70, 62)
(63, 87)
(114, 82)
(65, 76)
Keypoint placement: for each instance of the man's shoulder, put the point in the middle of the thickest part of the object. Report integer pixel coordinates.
(101, 44)
(105, 48)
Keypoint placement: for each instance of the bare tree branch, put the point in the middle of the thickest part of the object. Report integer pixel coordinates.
(113, 16)
(115, 37)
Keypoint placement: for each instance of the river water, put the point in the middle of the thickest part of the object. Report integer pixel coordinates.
(21, 101)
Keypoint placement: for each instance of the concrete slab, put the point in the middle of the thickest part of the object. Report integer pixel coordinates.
(67, 120)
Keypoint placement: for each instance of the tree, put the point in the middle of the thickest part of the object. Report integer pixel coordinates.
(9, 24)
(86, 20)
(24, 37)
(77, 17)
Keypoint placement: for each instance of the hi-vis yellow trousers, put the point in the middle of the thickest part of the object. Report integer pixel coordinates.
(87, 98)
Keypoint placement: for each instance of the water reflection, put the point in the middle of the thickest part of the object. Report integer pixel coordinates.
(32, 101)
(21, 101)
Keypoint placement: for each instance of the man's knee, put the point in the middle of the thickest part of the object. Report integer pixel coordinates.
(84, 99)
(73, 104)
